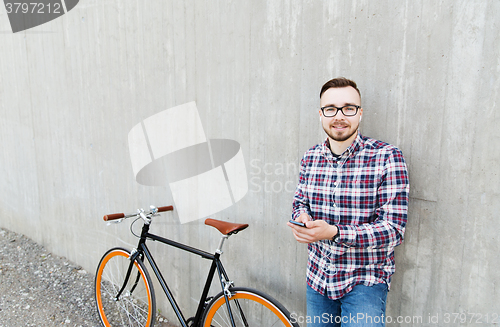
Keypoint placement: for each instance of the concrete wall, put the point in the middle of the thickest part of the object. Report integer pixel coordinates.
(71, 90)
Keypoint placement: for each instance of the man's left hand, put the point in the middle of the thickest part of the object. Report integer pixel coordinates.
(314, 231)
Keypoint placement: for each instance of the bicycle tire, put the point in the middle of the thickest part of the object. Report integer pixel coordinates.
(249, 308)
(136, 306)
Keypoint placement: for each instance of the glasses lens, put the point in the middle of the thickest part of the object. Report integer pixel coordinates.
(350, 110)
(329, 111)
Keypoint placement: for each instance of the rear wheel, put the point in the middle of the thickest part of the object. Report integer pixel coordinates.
(249, 307)
(136, 304)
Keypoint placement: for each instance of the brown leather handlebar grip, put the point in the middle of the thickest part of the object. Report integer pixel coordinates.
(166, 208)
(113, 216)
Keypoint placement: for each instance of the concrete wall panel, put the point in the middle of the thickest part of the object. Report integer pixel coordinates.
(73, 88)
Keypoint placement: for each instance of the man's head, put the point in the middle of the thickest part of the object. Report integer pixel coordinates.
(340, 125)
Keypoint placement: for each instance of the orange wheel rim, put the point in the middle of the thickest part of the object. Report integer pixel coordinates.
(249, 296)
(98, 286)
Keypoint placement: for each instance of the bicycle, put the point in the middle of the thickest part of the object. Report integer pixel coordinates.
(125, 296)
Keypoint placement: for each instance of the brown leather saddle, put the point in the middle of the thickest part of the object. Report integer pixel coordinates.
(225, 227)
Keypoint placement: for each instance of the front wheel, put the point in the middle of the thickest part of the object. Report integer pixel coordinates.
(136, 304)
(249, 307)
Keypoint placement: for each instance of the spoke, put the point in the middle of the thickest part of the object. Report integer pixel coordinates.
(112, 290)
(129, 315)
(241, 314)
(223, 318)
(138, 310)
(247, 312)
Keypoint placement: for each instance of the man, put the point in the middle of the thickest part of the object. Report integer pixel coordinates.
(352, 196)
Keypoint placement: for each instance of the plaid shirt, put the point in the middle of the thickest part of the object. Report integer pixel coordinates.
(365, 193)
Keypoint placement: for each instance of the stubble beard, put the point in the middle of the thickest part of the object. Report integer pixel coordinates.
(340, 137)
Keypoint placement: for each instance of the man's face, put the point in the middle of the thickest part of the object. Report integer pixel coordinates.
(341, 128)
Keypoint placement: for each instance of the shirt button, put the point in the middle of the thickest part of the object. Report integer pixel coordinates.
(334, 205)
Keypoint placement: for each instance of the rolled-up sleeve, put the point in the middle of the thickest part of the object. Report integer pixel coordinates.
(387, 230)
(300, 200)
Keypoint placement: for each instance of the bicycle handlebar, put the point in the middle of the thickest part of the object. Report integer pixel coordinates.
(166, 208)
(115, 216)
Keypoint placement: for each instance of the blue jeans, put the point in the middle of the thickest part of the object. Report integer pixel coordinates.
(363, 306)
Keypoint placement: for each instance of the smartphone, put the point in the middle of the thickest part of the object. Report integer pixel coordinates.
(297, 223)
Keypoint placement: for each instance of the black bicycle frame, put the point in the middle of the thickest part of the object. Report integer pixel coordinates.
(142, 249)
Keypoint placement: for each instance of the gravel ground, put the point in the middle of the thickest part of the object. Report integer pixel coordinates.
(38, 288)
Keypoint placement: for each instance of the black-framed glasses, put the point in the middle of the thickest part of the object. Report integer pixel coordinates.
(348, 111)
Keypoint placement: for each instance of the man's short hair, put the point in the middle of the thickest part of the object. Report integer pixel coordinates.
(339, 82)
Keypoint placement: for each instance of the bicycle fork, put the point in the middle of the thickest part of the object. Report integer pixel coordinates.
(132, 258)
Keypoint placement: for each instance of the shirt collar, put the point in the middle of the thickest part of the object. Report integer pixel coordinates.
(358, 141)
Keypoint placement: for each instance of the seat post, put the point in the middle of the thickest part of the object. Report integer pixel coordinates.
(221, 243)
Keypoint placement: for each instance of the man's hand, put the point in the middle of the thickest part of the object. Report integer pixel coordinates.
(314, 230)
